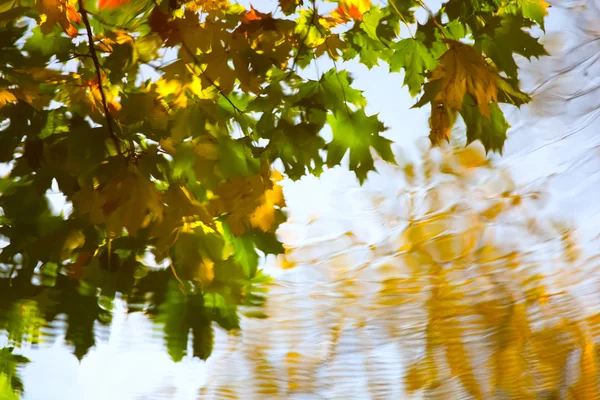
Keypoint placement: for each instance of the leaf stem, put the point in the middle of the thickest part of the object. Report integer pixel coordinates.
(94, 56)
(303, 42)
(209, 79)
(402, 18)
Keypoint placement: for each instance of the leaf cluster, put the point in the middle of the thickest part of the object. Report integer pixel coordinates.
(161, 123)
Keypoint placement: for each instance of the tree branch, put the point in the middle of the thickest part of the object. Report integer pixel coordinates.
(94, 56)
(208, 78)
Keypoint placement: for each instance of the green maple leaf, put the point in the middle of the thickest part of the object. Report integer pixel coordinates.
(415, 58)
(405, 9)
(490, 131)
(333, 91)
(368, 50)
(371, 20)
(508, 39)
(535, 10)
(356, 132)
(43, 47)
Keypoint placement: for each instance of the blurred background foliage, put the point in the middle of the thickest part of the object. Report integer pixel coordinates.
(471, 294)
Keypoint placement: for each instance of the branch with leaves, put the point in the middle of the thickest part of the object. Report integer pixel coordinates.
(177, 81)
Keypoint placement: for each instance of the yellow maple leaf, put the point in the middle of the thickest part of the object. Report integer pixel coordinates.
(249, 201)
(181, 208)
(264, 216)
(462, 70)
(6, 96)
(350, 10)
(441, 122)
(333, 45)
(60, 12)
(129, 201)
(587, 385)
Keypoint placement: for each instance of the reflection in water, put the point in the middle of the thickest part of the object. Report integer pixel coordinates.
(476, 294)
(459, 286)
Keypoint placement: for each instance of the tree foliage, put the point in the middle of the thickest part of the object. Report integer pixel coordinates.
(162, 123)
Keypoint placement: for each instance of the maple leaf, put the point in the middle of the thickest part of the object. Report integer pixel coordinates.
(462, 70)
(333, 45)
(356, 132)
(509, 39)
(263, 216)
(251, 201)
(6, 96)
(415, 58)
(535, 10)
(206, 5)
(60, 12)
(490, 130)
(289, 6)
(349, 10)
(441, 122)
(111, 4)
(129, 200)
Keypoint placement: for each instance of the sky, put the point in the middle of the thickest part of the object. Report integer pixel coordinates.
(131, 364)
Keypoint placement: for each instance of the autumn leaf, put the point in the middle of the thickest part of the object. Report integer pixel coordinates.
(536, 10)
(6, 96)
(333, 45)
(350, 10)
(111, 4)
(60, 12)
(251, 201)
(130, 201)
(441, 122)
(462, 70)
(180, 162)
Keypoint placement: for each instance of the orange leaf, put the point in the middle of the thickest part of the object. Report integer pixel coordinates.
(111, 4)
(60, 12)
(351, 10)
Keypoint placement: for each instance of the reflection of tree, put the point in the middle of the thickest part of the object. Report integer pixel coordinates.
(476, 295)
(569, 77)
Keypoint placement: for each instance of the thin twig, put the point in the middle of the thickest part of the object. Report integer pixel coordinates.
(337, 75)
(88, 28)
(208, 78)
(402, 18)
(302, 43)
(181, 284)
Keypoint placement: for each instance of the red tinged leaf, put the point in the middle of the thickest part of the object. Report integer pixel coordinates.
(159, 23)
(111, 4)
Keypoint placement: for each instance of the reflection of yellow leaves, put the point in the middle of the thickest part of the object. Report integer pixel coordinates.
(462, 70)
(463, 159)
(449, 247)
(60, 12)
(292, 359)
(426, 229)
(549, 364)
(587, 384)
(420, 374)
